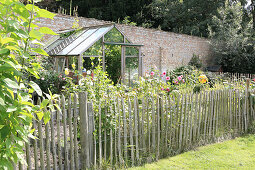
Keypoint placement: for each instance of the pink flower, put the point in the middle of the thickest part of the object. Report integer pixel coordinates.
(162, 88)
(63, 78)
(152, 73)
(167, 78)
(176, 82)
(183, 80)
(167, 89)
(253, 79)
(179, 78)
(164, 73)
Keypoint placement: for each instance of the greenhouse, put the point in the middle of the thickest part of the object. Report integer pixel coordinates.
(104, 44)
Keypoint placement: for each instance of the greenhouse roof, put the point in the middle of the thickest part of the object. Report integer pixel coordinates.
(80, 40)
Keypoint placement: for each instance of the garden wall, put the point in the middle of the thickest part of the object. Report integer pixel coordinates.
(162, 50)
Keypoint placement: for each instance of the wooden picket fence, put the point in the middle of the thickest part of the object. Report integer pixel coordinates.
(235, 76)
(130, 131)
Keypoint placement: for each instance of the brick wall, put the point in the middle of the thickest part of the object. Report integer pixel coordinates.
(162, 50)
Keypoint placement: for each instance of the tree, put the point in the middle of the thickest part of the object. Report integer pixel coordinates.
(233, 40)
(187, 16)
(253, 12)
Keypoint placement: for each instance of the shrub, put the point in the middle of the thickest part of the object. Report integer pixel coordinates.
(195, 61)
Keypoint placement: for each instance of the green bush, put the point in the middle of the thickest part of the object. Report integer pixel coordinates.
(196, 62)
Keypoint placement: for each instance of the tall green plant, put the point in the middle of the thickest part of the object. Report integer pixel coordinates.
(18, 34)
(233, 39)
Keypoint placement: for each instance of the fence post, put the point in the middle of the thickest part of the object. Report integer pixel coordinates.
(84, 130)
(90, 131)
(248, 108)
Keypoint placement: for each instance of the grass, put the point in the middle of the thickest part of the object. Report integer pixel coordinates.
(233, 154)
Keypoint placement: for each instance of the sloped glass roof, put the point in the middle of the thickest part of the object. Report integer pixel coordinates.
(78, 42)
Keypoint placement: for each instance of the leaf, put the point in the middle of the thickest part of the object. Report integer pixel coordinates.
(2, 101)
(21, 33)
(30, 7)
(57, 106)
(1, 126)
(7, 40)
(24, 96)
(36, 88)
(46, 117)
(4, 51)
(4, 131)
(47, 30)
(40, 51)
(10, 83)
(26, 114)
(6, 164)
(44, 103)
(36, 34)
(45, 14)
(12, 47)
(33, 72)
(21, 10)
(11, 109)
(39, 115)
(38, 42)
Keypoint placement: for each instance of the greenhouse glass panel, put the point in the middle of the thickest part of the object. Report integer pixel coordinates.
(70, 47)
(114, 36)
(53, 45)
(131, 70)
(90, 41)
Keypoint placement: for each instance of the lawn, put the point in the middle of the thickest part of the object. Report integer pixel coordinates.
(238, 154)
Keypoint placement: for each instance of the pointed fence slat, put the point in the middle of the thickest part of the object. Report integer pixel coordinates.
(42, 165)
(158, 130)
(66, 164)
(53, 145)
(119, 134)
(70, 119)
(35, 146)
(47, 132)
(125, 129)
(76, 156)
(136, 129)
(100, 134)
(58, 139)
(131, 132)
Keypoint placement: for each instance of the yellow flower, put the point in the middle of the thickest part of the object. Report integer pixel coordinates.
(66, 71)
(73, 66)
(202, 79)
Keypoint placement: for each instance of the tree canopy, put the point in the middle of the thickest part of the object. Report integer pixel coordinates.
(229, 23)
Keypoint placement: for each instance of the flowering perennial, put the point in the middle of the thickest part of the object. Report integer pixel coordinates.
(202, 79)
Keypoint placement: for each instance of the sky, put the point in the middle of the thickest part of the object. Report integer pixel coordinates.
(249, 2)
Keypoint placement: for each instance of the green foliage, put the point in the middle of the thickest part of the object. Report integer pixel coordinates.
(50, 80)
(182, 16)
(18, 32)
(233, 39)
(195, 61)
